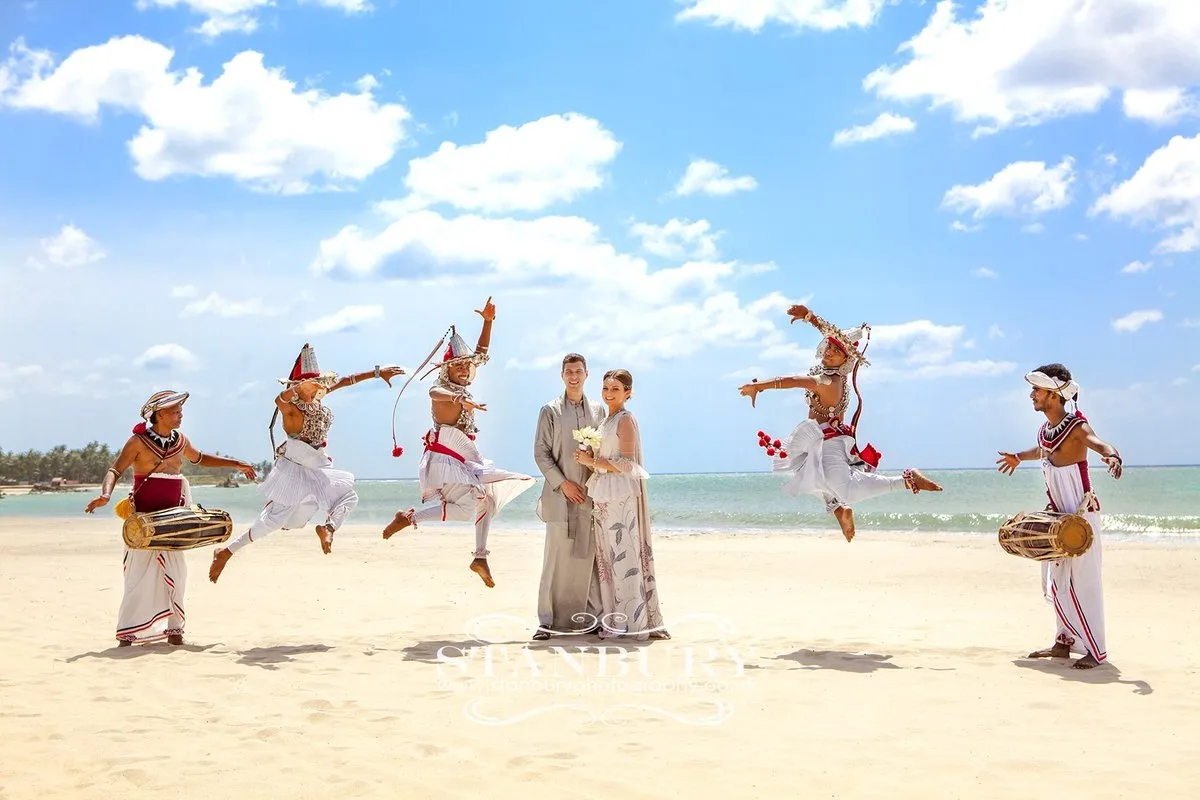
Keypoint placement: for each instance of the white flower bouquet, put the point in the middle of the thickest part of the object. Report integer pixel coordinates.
(588, 437)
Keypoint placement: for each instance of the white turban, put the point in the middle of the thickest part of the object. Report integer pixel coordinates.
(1068, 390)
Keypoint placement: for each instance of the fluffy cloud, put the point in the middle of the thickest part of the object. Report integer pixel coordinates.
(984, 272)
(238, 16)
(345, 319)
(708, 177)
(1165, 191)
(995, 332)
(1023, 187)
(822, 15)
(1159, 106)
(883, 125)
(167, 357)
(1134, 321)
(1022, 62)
(925, 349)
(71, 247)
(250, 123)
(220, 306)
(1135, 266)
(527, 168)
(677, 239)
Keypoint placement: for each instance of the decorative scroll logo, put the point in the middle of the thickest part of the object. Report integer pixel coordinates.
(508, 679)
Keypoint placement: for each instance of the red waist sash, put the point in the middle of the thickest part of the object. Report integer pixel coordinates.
(434, 446)
(155, 494)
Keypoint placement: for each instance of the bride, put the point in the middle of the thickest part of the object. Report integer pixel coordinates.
(621, 520)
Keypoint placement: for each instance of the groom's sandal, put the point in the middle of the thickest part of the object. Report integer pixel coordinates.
(542, 634)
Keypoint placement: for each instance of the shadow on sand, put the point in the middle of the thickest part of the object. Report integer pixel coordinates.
(269, 657)
(139, 650)
(840, 660)
(1061, 667)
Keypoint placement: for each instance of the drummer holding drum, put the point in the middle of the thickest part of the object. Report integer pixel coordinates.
(1071, 583)
(152, 607)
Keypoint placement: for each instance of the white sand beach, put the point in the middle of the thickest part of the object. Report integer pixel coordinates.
(892, 666)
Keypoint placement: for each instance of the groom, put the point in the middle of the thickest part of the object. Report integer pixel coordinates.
(570, 585)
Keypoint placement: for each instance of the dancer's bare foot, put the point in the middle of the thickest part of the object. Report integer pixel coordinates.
(1059, 650)
(175, 639)
(913, 479)
(845, 517)
(220, 559)
(326, 537)
(480, 567)
(401, 521)
(1087, 662)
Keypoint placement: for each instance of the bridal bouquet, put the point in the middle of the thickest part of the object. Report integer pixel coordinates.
(588, 437)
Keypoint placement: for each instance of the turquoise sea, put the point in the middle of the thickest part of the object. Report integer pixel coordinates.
(1161, 502)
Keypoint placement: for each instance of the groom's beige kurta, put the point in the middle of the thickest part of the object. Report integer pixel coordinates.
(569, 582)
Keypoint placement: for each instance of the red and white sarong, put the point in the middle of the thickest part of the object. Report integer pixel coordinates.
(155, 581)
(463, 485)
(1073, 586)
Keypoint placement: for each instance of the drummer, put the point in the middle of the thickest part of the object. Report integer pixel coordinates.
(1071, 585)
(156, 581)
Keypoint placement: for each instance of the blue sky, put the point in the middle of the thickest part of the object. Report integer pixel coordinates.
(191, 189)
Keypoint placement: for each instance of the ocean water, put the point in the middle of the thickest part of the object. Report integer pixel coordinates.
(1147, 502)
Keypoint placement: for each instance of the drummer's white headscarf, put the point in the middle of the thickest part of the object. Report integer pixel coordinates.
(1067, 390)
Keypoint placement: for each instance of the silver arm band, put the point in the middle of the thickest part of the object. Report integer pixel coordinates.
(377, 375)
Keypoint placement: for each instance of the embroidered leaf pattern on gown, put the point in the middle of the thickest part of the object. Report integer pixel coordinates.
(628, 597)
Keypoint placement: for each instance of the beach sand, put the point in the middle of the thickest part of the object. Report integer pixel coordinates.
(890, 667)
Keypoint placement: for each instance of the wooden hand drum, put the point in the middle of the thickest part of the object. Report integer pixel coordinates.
(1046, 535)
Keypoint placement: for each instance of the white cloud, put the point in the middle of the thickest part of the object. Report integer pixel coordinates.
(349, 6)
(1022, 62)
(677, 239)
(71, 247)
(1033, 227)
(1179, 382)
(1196, 368)
(1134, 321)
(822, 15)
(1136, 266)
(250, 123)
(708, 177)
(1165, 191)
(167, 357)
(924, 349)
(963, 228)
(245, 389)
(178, 292)
(1081, 237)
(884, 125)
(345, 319)
(1191, 323)
(984, 272)
(528, 168)
(219, 306)
(995, 332)
(1023, 187)
(238, 16)
(625, 311)
(1159, 106)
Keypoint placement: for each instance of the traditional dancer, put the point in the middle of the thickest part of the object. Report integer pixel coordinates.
(569, 593)
(456, 481)
(621, 517)
(821, 452)
(302, 481)
(1073, 586)
(152, 607)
